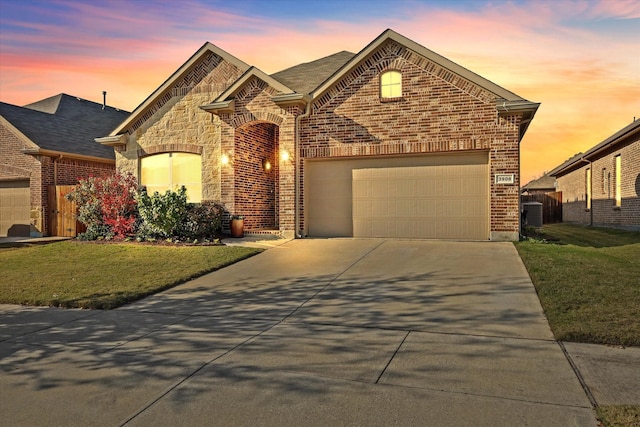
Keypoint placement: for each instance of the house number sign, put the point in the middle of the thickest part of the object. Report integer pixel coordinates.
(505, 178)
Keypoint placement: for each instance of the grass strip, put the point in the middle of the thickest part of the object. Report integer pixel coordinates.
(77, 274)
(587, 282)
(619, 416)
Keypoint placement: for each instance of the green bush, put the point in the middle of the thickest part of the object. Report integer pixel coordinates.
(163, 215)
(203, 221)
(113, 208)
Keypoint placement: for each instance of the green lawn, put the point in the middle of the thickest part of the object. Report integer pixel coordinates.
(103, 275)
(587, 279)
(619, 416)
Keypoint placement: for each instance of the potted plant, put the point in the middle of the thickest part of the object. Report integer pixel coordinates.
(237, 226)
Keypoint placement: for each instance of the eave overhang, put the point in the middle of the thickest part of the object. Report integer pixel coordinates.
(62, 154)
(291, 100)
(222, 107)
(114, 141)
(526, 108)
(625, 134)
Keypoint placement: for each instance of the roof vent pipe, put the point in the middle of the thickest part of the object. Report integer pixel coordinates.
(104, 99)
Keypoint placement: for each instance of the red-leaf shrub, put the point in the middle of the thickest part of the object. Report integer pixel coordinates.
(107, 206)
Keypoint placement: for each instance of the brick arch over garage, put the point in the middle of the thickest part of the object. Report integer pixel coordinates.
(256, 143)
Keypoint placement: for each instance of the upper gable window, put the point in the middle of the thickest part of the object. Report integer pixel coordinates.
(391, 85)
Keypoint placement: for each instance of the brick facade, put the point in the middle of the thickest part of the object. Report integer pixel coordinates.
(440, 111)
(258, 129)
(435, 114)
(256, 192)
(42, 172)
(604, 211)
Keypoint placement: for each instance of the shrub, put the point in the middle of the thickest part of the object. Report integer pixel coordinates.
(203, 221)
(163, 215)
(114, 208)
(106, 206)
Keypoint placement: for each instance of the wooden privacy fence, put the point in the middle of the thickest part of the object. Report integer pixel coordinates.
(63, 213)
(551, 205)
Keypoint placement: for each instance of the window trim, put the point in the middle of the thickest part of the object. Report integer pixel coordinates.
(588, 179)
(617, 162)
(173, 186)
(382, 85)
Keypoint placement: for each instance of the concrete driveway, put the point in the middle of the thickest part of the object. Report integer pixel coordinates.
(314, 332)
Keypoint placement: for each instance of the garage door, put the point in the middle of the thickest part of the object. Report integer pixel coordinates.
(426, 197)
(15, 208)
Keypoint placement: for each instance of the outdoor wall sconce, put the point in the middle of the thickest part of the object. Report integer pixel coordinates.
(285, 156)
(225, 159)
(266, 165)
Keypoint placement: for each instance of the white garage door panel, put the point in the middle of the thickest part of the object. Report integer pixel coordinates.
(433, 196)
(15, 208)
(445, 201)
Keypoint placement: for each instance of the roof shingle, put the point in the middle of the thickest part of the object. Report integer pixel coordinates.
(66, 124)
(304, 78)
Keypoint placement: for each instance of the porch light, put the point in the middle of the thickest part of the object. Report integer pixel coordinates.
(285, 156)
(224, 159)
(266, 165)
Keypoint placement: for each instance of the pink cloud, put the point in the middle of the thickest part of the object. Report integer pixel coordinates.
(586, 79)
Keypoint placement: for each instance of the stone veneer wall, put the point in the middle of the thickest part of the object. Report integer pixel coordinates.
(179, 124)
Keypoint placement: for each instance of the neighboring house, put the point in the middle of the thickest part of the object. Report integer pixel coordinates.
(394, 141)
(541, 191)
(48, 143)
(544, 184)
(602, 185)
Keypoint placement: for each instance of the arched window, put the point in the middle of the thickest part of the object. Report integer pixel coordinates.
(170, 171)
(391, 85)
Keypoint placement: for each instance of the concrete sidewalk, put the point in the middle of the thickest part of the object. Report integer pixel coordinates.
(320, 332)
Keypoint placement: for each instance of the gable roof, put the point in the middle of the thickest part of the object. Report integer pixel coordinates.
(225, 101)
(175, 77)
(506, 101)
(306, 77)
(632, 130)
(389, 34)
(64, 124)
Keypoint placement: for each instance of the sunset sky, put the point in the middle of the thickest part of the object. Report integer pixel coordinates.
(580, 59)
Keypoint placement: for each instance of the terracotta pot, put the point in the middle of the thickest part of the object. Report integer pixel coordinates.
(237, 227)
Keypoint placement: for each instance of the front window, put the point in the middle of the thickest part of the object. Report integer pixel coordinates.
(588, 184)
(618, 181)
(170, 171)
(391, 85)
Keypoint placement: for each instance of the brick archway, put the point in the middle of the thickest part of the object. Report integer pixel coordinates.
(256, 187)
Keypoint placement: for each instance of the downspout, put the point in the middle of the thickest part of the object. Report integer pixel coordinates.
(297, 160)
